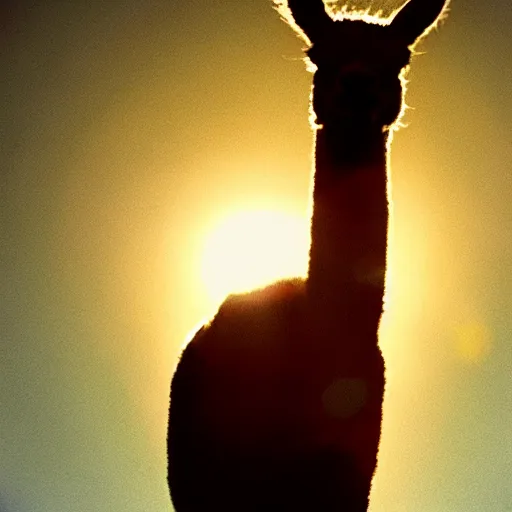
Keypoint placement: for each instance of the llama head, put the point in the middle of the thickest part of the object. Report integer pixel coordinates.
(359, 60)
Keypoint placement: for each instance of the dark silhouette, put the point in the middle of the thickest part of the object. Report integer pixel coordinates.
(276, 404)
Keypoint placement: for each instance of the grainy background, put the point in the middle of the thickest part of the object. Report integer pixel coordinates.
(126, 127)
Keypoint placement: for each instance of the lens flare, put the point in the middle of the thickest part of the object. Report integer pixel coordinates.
(473, 341)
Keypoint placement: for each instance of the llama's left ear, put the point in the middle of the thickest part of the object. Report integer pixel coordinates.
(417, 18)
(309, 16)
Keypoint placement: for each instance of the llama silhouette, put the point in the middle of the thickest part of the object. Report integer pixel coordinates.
(276, 404)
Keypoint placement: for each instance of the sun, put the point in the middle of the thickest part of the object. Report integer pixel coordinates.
(249, 249)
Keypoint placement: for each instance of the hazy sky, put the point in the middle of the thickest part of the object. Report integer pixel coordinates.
(128, 129)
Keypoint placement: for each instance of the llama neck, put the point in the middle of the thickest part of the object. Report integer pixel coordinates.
(350, 218)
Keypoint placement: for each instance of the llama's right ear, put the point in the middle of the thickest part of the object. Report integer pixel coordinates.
(418, 17)
(308, 15)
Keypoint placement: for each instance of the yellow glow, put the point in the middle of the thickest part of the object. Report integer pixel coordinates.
(473, 341)
(251, 248)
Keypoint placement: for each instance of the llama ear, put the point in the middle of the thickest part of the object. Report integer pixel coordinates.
(417, 18)
(310, 16)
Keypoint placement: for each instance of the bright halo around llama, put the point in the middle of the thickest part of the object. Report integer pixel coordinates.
(249, 249)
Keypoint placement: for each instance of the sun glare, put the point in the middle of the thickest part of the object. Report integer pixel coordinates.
(252, 248)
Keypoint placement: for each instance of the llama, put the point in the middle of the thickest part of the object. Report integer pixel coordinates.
(276, 403)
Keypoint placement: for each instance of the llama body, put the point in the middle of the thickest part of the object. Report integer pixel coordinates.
(276, 404)
(287, 430)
